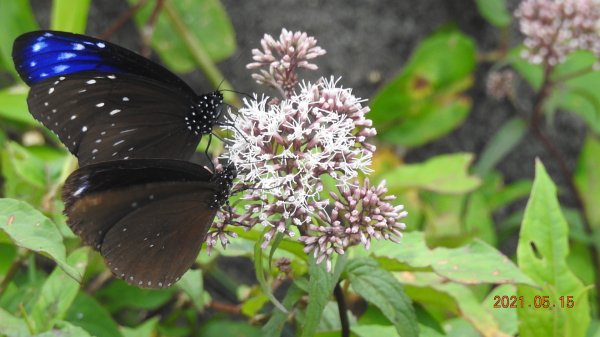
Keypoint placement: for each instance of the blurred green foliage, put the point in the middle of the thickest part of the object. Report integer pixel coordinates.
(447, 276)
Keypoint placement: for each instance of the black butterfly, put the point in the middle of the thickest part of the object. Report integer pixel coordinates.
(107, 103)
(147, 217)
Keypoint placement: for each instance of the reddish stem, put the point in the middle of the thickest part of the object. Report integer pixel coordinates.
(567, 174)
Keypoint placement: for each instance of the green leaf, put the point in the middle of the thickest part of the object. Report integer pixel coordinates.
(274, 326)
(577, 92)
(254, 303)
(58, 292)
(12, 326)
(478, 221)
(254, 235)
(510, 193)
(90, 315)
(193, 285)
(507, 316)
(320, 288)
(587, 179)
(13, 105)
(502, 142)
(474, 263)
(532, 73)
(374, 330)
(30, 174)
(458, 327)
(442, 174)
(70, 15)
(207, 20)
(494, 11)
(542, 251)
(65, 329)
(16, 18)
(380, 288)
(260, 273)
(145, 329)
(425, 101)
(221, 328)
(8, 253)
(28, 228)
(430, 289)
(119, 295)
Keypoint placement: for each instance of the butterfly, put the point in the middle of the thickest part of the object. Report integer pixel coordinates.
(147, 217)
(108, 103)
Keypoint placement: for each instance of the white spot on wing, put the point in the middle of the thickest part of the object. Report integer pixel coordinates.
(39, 46)
(125, 99)
(79, 190)
(119, 142)
(51, 90)
(100, 45)
(60, 68)
(101, 104)
(78, 46)
(114, 112)
(84, 128)
(65, 56)
(91, 82)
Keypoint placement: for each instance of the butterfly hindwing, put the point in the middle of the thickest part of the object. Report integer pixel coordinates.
(124, 209)
(157, 243)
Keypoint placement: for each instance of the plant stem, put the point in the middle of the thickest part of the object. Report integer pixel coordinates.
(200, 56)
(121, 20)
(12, 270)
(536, 116)
(341, 302)
(225, 307)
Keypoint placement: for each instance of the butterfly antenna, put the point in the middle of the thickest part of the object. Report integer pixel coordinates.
(239, 93)
(206, 152)
(229, 122)
(225, 141)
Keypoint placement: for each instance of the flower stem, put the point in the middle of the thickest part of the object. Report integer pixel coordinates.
(341, 302)
(540, 100)
(200, 56)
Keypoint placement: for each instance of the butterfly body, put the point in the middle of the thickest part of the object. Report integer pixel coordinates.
(132, 124)
(108, 103)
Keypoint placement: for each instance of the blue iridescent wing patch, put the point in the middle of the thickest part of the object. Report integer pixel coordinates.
(41, 55)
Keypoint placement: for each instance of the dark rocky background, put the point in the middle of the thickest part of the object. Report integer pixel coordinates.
(367, 43)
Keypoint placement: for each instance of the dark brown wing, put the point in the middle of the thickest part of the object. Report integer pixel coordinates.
(126, 208)
(153, 246)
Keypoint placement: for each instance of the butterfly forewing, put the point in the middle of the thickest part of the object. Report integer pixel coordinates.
(102, 117)
(107, 103)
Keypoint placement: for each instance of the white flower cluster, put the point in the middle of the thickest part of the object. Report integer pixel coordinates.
(284, 148)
